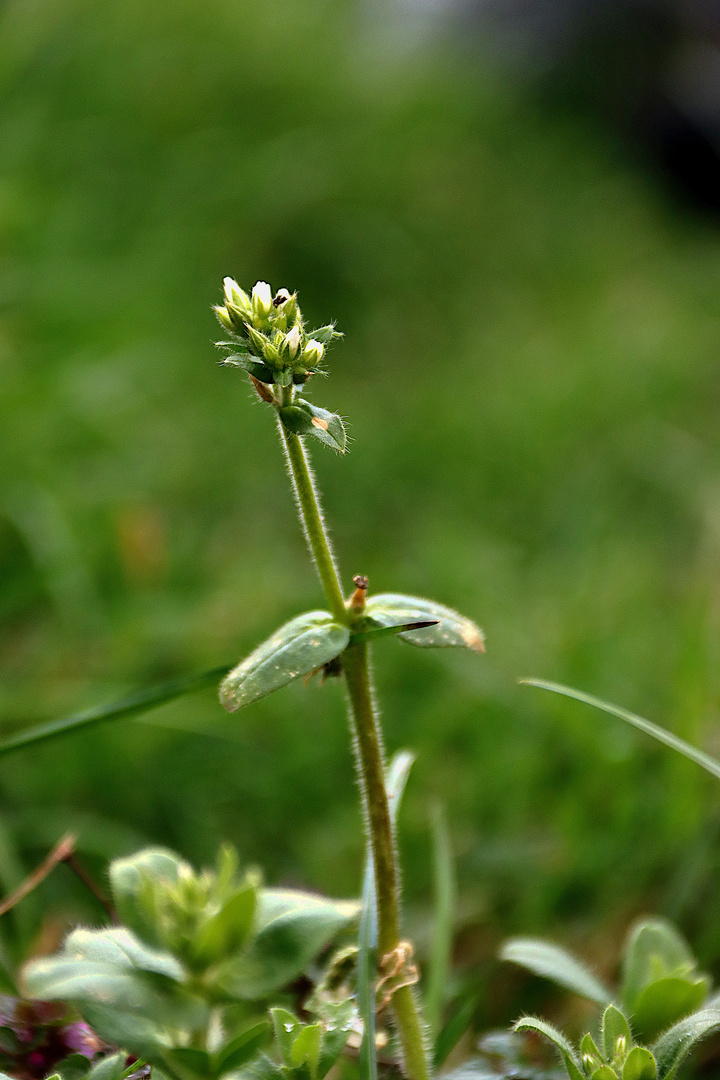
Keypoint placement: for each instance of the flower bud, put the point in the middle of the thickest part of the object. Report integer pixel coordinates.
(313, 352)
(292, 342)
(223, 317)
(236, 298)
(262, 302)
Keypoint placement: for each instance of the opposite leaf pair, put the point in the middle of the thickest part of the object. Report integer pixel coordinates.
(308, 642)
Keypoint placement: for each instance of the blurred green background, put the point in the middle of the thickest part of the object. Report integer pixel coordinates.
(530, 373)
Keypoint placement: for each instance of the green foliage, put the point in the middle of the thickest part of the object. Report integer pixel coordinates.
(448, 628)
(660, 982)
(198, 952)
(620, 1057)
(297, 648)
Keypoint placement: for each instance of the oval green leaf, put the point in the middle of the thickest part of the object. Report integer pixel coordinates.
(297, 648)
(450, 629)
(552, 962)
(639, 1065)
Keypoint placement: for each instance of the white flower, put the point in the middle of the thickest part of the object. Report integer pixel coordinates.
(292, 341)
(313, 352)
(262, 302)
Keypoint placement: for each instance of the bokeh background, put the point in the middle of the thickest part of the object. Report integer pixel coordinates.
(515, 223)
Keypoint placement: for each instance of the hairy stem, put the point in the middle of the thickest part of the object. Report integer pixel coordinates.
(369, 752)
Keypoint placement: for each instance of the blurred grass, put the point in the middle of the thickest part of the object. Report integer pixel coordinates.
(530, 372)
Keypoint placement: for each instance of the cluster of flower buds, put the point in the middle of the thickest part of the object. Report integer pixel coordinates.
(268, 335)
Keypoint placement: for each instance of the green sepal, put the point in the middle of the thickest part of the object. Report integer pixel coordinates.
(241, 1049)
(639, 1065)
(614, 1027)
(589, 1049)
(297, 648)
(283, 377)
(451, 629)
(553, 962)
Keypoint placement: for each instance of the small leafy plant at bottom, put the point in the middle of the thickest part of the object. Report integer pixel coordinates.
(184, 984)
(617, 1056)
(660, 982)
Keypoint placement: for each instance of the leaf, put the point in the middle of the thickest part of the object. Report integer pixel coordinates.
(442, 935)
(133, 881)
(453, 1031)
(292, 929)
(73, 1067)
(110, 1068)
(326, 334)
(450, 630)
(672, 1048)
(654, 950)
(226, 932)
(297, 648)
(553, 962)
(673, 741)
(639, 1065)
(241, 1049)
(259, 370)
(286, 1026)
(615, 1027)
(190, 1060)
(306, 1048)
(338, 1022)
(304, 418)
(120, 947)
(542, 1027)
(325, 426)
(134, 704)
(605, 1072)
(387, 631)
(666, 1001)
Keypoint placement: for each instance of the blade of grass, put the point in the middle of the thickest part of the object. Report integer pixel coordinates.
(395, 780)
(134, 704)
(444, 882)
(673, 741)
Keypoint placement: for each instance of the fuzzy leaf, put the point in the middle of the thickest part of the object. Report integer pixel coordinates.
(639, 1065)
(227, 931)
(338, 1022)
(292, 928)
(257, 368)
(605, 1072)
(326, 334)
(325, 426)
(120, 947)
(190, 1060)
(654, 950)
(542, 1027)
(286, 1026)
(131, 881)
(553, 962)
(297, 648)
(450, 629)
(110, 1068)
(239, 1050)
(672, 1048)
(614, 1027)
(666, 1001)
(306, 1048)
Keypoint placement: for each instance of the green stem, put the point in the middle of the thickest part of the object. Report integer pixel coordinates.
(369, 753)
(312, 521)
